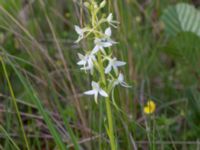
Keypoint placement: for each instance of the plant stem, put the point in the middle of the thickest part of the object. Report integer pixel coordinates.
(108, 108)
(110, 125)
(15, 103)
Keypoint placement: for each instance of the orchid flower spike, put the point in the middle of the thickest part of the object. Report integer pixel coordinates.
(87, 62)
(114, 63)
(120, 80)
(96, 90)
(106, 41)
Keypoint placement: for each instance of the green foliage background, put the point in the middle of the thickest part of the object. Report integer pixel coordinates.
(159, 40)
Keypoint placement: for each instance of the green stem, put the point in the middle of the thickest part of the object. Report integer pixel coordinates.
(108, 107)
(15, 103)
(110, 125)
(101, 70)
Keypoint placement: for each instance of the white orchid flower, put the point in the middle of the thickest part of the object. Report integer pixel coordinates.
(114, 63)
(80, 32)
(120, 80)
(101, 43)
(110, 20)
(86, 61)
(96, 90)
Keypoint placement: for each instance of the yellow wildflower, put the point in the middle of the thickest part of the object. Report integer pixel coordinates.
(150, 107)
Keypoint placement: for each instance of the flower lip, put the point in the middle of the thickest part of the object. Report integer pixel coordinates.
(96, 90)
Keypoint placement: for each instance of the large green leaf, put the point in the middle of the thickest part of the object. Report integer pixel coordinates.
(181, 18)
(184, 47)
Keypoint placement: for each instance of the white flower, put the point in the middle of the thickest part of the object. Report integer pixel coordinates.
(80, 32)
(110, 20)
(101, 43)
(120, 80)
(114, 63)
(86, 61)
(96, 90)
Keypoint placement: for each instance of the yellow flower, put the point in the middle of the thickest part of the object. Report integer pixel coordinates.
(150, 107)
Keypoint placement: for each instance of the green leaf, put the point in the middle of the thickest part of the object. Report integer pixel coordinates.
(181, 18)
(184, 47)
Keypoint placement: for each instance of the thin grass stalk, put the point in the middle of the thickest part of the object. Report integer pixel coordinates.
(15, 103)
(8, 136)
(33, 96)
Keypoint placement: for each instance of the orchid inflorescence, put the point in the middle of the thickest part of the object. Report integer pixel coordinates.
(100, 58)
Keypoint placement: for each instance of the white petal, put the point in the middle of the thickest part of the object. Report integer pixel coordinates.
(109, 18)
(108, 69)
(97, 40)
(86, 68)
(106, 44)
(81, 62)
(124, 84)
(93, 57)
(103, 93)
(80, 56)
(111, 41)
(120, 77)
(95, 85)
(103, 51)
(78, 30)
(91, 92)
(95, 49)
(115, 69)
(90, 62)
(120, 63)
(108, 32)
(96, 97)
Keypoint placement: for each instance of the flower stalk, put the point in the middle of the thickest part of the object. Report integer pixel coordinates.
(99, 60)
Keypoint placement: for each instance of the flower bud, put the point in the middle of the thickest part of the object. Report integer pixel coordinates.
(103, 3)
(86, 4)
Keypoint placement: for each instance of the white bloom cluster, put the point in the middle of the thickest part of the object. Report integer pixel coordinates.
(100, 58)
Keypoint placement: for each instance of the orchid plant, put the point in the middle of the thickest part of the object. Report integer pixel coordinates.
(102, 42)
(99, 60)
